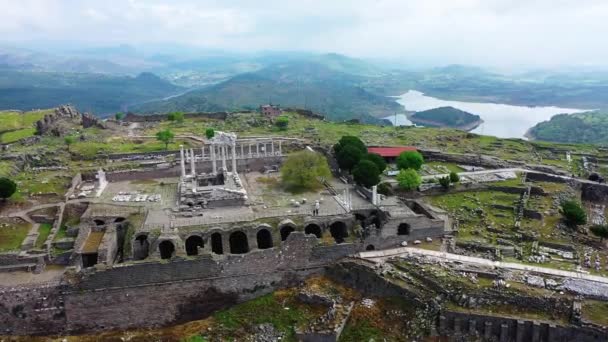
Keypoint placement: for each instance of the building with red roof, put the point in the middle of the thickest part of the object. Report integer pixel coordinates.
(390, 153)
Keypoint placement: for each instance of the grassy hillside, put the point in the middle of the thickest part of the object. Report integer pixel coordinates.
(299, 84)
(16, 125)
(589, 127)
(445, 117)
(97, 93)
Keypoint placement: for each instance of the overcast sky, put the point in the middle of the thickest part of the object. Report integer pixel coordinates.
(476, 32)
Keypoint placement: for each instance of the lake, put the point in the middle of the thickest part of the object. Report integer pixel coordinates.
(501, 120)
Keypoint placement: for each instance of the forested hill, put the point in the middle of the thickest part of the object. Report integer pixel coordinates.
(588, 127)
(311, 85)
(100, 94)
(447, 117)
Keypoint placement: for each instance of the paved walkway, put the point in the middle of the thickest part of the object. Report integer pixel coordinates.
(381, 256)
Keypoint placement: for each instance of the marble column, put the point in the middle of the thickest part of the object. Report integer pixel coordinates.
(192, 163)
(242, 154)
(213, 162)
(182, 161)
(265, 149)
(257, 149)
(234, 158)
(280, 150)
(203, 153)
(223, 149)
(272, 147)
(250, 148)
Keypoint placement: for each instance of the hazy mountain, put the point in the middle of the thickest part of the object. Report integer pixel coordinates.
(97, 93)
(301, 84)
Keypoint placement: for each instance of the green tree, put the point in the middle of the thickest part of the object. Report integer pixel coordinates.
(376, 159)
(119, 116)
(303, 171)
(176, 117)
(445, 182)
(7, 188)
(410, 160)
(69, 140)
(166, 137)
(454, 178)
(350, 140)
(366, 173)
(209, 133)
(574, 212)
(600, 231)
(282, 122)
(409, 179)
(348, 156)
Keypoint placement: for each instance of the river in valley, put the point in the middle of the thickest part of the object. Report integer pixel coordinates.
(501, 120)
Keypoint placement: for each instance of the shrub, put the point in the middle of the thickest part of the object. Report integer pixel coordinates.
(165, 137)
(600, 231)
(209, 133)
(445, 182)
(409, 179)
(348, 157)
(7, 188)
(574, 212)
(454, 178)
(366, 173)
(385, 189)
(410, 160)
(176, 117)
(282, 122)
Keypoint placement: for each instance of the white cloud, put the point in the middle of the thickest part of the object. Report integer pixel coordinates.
(500, 32)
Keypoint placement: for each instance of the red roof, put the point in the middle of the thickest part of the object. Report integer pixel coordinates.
(390, 151)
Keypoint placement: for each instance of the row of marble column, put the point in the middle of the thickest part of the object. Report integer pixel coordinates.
(219, 152)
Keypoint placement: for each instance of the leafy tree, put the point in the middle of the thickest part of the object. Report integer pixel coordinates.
(69, 140)
(7, 188)
(574, 212)
(410, 160)
(209, 133)
(349, 140)
(376, 159)
(303, 170)
(176, 117)
(600, 231)
(385, 189)
(165, 136)
(348, 156)
(282, 122)
(119, 116)
(445, 182)
(409, 179)
(366, 173)
(454, 178)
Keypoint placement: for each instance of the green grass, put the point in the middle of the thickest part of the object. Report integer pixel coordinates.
(44, 231)
(362, 331)
(6, 168)
(13, 136)
(61, 233)
(596, 312)
(10, 120)
(265, 309)
(12, 236)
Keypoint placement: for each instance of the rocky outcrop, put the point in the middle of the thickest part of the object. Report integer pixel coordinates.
(64, 117)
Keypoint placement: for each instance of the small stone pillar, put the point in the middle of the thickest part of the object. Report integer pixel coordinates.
(487, 330)
(192, 163)
(521, 331)
(213, 159)
(280, 150)
(194, 184)
(472, 327)
(182, 161)
(375, 195)
(272, 147)
(242, 153)
(234, 158)
(442, 323)
(250, 148)
(203, 153)
(504, 332)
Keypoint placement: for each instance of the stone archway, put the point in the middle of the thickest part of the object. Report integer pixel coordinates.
(193, 243)
(285, 231)
(404, 229)
(264, 239)
(370, 248)
(238, 243)
(141, 247)
(339, 231)
(119, 220)
(99, 222)
(314, 229)
(217, 245)
(167, 249)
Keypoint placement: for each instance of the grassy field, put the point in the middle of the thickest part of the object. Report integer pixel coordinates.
(13, 136)
(11, 120)
(12, 235)
(44, 231)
